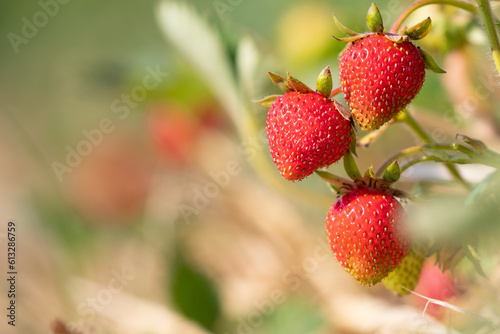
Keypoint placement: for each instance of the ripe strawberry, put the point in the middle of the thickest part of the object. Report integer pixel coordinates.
(436, 284)
(306, 131)
(175, 133)
(366, 235)
(380, 73)
(407, 273)
(380, 77)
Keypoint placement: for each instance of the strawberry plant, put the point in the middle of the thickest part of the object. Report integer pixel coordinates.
(380, 73)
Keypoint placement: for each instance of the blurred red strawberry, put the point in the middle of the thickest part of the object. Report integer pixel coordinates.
(435, 284)
(175, 132)
(111, 184)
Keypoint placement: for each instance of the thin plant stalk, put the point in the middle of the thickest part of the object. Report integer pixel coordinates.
(456, 3)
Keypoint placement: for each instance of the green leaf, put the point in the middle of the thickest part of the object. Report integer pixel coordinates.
(374, 20)
(370, 174)
(294, 316)
(477, 145)
(279, 81)
(189, 33)
(297, 85)
(420, 30)
(430, 152)
(352, 38)
(344, 28)
(473, 257)
(335, 181)
(445, 155)
(268, 101)
(397, 38)
(430, 63)
(344, 112)
(248, 61)
(350, 167)
(477, 193)
(192, 293)
(354, 143)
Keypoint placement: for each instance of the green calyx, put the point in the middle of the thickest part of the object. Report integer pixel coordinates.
(324, 86)
(297, 85)
(376, 26)
(430, 63)
(337, 183)
(268, 101)
(342, 186)
(344, 28)
(350, 167)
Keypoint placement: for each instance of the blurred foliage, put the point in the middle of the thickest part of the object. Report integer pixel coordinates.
(192, 293)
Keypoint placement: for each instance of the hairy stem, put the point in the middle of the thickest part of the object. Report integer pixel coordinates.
(371, 137)
(414, 150)
(489, 26)
(406, 118)
(460, 4)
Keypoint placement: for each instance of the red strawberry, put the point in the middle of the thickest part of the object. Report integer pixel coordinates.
(366, 235)
(380, 73)
(380, 77)
(306, 131)
(435, 284)
(175, 133)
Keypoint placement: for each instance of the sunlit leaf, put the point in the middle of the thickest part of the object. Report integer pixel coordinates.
(247, 62)
(205, 49)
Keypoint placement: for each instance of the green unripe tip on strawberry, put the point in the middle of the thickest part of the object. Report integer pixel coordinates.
(406, 275)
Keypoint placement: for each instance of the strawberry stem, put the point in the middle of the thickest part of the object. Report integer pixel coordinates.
(335, 91)
(418, 150)
(371, 137)
(405, 117)
(489, 26)
(460, 4)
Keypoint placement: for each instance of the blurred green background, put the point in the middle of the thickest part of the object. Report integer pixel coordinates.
(174, 219)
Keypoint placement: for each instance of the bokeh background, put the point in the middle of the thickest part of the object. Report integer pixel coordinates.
(136, 169)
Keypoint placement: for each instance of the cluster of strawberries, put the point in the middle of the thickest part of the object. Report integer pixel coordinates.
(380, 73)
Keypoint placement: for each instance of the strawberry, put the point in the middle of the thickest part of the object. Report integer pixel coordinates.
(366, 235)
(436, 284)
(381, 73)
(379, 78)
(306, 132)
(175, 132)
(306, 129)
(407, 273)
